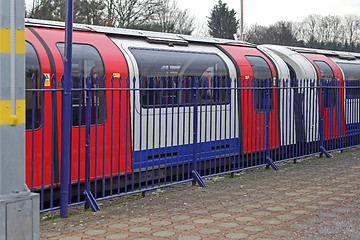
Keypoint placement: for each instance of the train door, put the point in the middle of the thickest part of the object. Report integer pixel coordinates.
(302, 98)
(94, 53)
(41, 147)
(333, 102)
(286, 97)
(255, 67)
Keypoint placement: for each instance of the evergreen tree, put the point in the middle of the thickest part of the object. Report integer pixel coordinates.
(222, 22)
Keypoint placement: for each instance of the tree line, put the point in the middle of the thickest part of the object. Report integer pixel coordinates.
(153, 15)
(315, 31)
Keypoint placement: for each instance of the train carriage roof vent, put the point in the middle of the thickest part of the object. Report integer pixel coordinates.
(347, 57)
(168, 41)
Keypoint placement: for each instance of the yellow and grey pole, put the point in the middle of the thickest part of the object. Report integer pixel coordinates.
(16, 202)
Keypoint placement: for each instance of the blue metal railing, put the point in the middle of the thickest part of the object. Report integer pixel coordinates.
(128, 139)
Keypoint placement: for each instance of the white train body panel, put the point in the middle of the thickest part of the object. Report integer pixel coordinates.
(174, 130)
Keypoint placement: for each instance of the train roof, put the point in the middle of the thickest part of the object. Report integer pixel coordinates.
(339, 54)
(176, 39)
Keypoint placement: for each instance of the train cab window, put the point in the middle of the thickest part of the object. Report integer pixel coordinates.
(327, 75)
(352, 79)
(86, 61)
(177, 71)
(32, 66)
(261, 73)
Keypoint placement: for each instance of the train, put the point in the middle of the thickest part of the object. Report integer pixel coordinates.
(129, 57)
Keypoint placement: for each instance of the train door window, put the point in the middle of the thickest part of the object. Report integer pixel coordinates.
(176, 71)
(327, 75)
(86, 61)
(352, 79)
(262, 73)
(32, 66)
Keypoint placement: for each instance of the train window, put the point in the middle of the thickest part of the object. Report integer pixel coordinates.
(177, 71)
(261, 73)
(327, 75)
(86, 61)
(352, 79)
(32, 66)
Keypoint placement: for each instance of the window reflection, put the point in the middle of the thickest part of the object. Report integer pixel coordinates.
(32, 67)
(177, 71)
(262, 74)
(352, 79)
(86, 61)
(327, 75)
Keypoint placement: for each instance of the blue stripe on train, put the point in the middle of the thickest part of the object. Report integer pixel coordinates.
(183, 154)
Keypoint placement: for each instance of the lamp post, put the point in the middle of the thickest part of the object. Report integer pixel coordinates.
(19, 208)
(242, 20)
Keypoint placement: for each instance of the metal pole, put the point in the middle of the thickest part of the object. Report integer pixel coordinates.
(242, 20)
(195, 126)
(87, 136)
(18, 207)
(66, 111)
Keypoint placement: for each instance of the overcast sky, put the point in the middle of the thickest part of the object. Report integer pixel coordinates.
(266, 12)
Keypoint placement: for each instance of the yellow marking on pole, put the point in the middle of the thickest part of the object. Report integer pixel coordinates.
(20, 42)
(5, 41)
(5, 113)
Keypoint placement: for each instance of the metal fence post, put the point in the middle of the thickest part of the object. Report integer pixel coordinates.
(268, 158)
(66, 112)
(195, 174)
(195, 123)
(87, 136)
(89, 198)
(322, 112)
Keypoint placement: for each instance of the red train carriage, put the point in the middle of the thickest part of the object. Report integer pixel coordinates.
(44, 56)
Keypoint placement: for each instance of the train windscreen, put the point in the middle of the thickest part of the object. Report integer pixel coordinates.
(86, 61)
(33, 100)
(177, 70)
(328, 78)
(352, 79)
(261, 73)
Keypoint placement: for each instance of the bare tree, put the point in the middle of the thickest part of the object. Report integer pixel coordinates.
(255, 34)
(352, 25)
(132, 12)
(311, 25)
(279, 33)
(173, 19)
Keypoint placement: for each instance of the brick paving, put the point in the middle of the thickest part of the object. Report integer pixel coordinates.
(317, 198)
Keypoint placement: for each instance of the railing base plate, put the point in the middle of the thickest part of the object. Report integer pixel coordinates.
(323, 151)
(90, 200)
(271, 163)
(198, 178)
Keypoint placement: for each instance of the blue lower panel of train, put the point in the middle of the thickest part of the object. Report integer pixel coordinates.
(183, 154)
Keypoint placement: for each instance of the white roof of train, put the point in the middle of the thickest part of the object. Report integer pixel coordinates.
(339, 54)
(150, 36)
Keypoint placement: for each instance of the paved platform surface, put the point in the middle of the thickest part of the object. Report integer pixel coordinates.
(317, 198)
